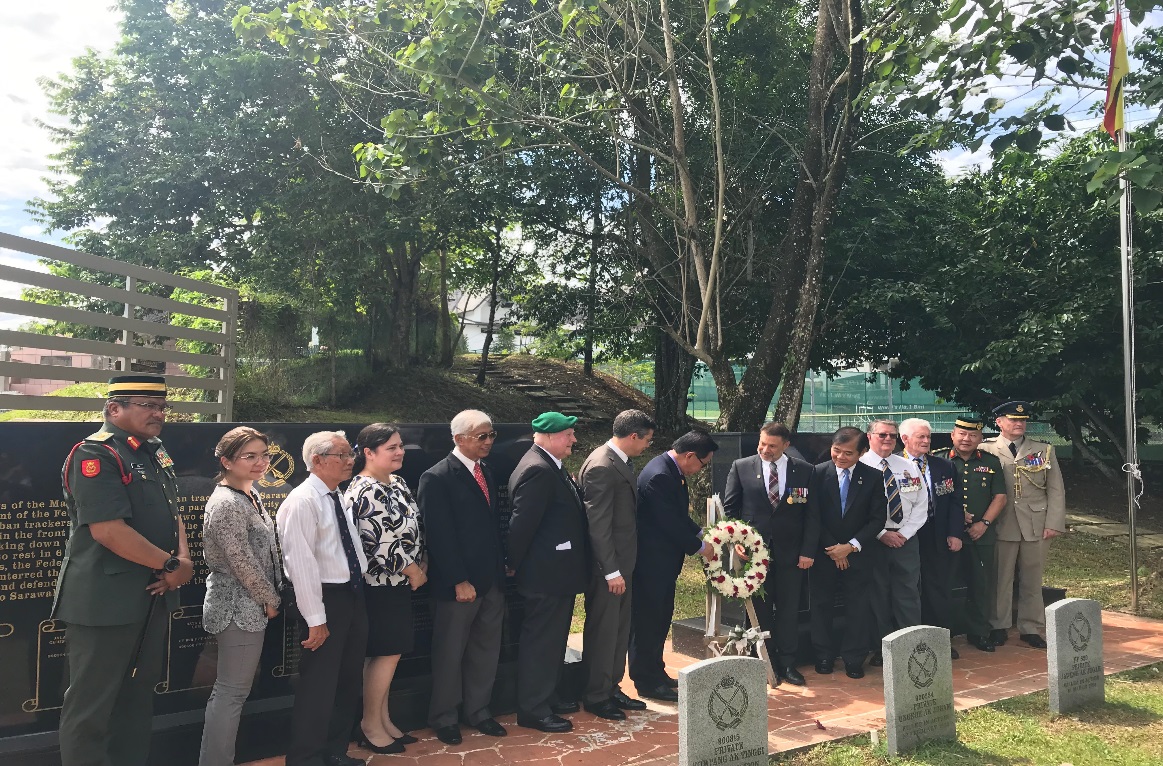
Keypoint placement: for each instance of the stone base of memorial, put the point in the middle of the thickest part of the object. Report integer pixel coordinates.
(918, 687)
(1074, 654)
(722, 713)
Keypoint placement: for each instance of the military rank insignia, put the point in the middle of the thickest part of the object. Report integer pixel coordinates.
(133, 442)
(797, 495)
(90, 468)
(163, 458)
(944, 488)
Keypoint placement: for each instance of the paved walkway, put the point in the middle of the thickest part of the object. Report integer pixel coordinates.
(829, 707)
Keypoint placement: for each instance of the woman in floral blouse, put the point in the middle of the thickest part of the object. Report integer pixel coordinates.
(389, 528)
(242, 589)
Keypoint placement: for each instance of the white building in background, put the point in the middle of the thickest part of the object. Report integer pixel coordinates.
(472, 311)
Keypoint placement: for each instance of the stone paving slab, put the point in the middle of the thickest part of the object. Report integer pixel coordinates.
(1152, 540)
(1103, 530)
(1086, 518)
(829, 707)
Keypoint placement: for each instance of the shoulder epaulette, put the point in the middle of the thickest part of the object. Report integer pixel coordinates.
(990, 440)
(100, 436)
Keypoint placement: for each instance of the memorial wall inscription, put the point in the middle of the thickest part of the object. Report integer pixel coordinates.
(34, 527)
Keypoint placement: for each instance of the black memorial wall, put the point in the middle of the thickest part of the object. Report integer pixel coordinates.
(34, 527)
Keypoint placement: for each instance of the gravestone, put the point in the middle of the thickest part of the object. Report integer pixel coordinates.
(1074, 654)
(722, 713)
(918, 687)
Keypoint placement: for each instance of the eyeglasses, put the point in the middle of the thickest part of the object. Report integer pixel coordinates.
(341, 455)
(482, 437)
(884, 435)
(250, 457)
(159, 408)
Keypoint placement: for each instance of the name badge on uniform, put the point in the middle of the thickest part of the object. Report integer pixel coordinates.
(944, 488)
(797, 495)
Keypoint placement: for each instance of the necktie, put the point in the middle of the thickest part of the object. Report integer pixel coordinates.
(773, 493)
(843, 492)
(920, 461)
(630, 464)
(892, 493)
(354, 571)
(479, 475)
(1013, 449)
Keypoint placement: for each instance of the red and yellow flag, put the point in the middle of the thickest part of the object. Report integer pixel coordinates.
(1113, 110)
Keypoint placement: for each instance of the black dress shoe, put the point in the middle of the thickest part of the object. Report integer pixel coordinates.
(396, 747)
(627, 702)
(449, 735)
(406, 739)
(980, 642)
(824, 667)
(998, 636)
(671, 682)
(606, 709)
(854, 671)
(551, 723)
(792, 676)
(953, 653)
(564, 708)
(1034, 640)
(344, 760)
(661, 692)
(876, 660)
(490, 727)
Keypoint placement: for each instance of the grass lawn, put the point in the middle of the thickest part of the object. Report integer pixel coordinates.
(1125, 731)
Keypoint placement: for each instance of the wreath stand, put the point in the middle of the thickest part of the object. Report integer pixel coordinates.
(714, 638)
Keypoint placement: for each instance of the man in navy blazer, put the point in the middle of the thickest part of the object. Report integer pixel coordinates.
(850, 499)
(466, 577)
(666, 535)
(941, 536)
(549, 552)
(770, 491)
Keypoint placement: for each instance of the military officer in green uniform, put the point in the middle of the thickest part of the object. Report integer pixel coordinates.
(982, 488)
(125, 559)
(1035, 514)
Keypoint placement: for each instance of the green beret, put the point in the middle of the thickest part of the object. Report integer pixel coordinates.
(137, 385)
(552, 422)
(1013, 410)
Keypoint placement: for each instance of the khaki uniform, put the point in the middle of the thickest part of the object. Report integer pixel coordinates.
(978, 481)
(1037, 501)
(107, 715)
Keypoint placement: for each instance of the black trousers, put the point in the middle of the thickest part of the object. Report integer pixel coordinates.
(651, 612)
(330, 680)
(937, 563)
(541, 651)
(779, 613)
(854, 583)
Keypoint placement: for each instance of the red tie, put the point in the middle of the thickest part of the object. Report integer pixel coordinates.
(479, 475)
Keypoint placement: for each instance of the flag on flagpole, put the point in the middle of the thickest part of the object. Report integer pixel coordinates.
(1112, 119)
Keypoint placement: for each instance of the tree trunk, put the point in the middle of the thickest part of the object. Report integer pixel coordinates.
(673, 368)
(1085, 452)
(443, 317)
(496, 278)
(403, 272)
(592, 285)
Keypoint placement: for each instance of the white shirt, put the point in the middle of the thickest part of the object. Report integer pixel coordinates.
(312, 548)
(546, 452)
(780, 466)
(469, 464)
(914, 503)
(839, 479)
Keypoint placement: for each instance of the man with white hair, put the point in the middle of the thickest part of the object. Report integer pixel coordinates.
(940, 537)
(466, 577)
(325, 562)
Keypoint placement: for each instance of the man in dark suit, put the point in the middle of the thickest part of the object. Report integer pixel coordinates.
(666, 535)
(770, 491)
(611, 498)
(850, 500)
(940, 537)
(466, 577)
(549, 552)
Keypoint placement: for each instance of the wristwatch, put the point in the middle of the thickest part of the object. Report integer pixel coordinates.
(171, 565)
(984, 521)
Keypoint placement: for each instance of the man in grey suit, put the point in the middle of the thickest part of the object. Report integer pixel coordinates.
(611, 497)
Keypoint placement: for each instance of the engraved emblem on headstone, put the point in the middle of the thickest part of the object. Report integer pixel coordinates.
(922, 666)
(727, 703)
(1079, 632)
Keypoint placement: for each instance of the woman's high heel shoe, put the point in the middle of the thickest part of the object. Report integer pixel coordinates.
(406, 739)
(395, 748)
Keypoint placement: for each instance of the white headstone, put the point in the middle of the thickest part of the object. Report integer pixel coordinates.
(918, 687)
(722, 713)
(1074, 654)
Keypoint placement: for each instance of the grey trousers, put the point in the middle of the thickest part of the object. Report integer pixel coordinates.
(896, 588)
(605, 638)
(238, 657)
(107, 718)
(466, 646)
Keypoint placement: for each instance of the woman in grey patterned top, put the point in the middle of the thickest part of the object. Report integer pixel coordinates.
(242, 589)
(389, 529)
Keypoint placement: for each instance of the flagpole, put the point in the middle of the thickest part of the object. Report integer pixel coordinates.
(1128, 294)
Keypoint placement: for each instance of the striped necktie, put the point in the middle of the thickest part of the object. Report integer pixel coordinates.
(773, 493)
(892, 493)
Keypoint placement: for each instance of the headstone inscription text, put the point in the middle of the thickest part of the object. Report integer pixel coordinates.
(918, 687)
(1074, 654)
(722, 713)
